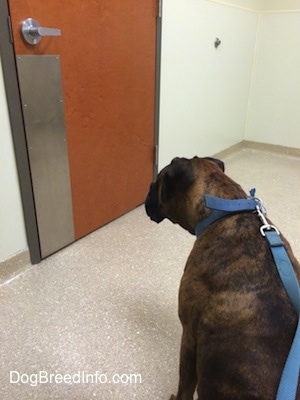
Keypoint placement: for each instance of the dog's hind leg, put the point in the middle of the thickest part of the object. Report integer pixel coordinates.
(187, 369)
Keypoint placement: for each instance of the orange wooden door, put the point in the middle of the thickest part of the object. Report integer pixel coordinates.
(107, 55)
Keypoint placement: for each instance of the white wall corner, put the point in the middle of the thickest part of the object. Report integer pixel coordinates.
(12, 227)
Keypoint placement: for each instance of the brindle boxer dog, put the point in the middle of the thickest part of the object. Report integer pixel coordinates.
(238, 323)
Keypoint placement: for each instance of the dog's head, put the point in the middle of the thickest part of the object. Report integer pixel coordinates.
(178, 192)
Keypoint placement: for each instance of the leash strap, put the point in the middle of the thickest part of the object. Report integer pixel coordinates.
(285, 268)
(289, 379)
(287, 389)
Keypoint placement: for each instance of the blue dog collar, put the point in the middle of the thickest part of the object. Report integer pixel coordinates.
(223, 207)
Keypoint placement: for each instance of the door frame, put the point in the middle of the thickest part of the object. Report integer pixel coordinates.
(157, 84)
(18, 129)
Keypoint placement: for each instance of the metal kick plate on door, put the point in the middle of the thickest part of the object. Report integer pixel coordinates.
(42, 100)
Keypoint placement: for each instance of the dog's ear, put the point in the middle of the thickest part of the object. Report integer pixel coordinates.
(219, 163)
(178, 178)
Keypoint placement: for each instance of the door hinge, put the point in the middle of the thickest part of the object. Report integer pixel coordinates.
(159, 13)
(156, 155)
(10, 32)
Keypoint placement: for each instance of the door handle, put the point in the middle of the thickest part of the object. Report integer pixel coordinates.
(32, 31)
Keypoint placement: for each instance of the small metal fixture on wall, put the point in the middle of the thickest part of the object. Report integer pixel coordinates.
(217, 43)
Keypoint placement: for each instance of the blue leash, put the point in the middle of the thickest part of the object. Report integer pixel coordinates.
(289, 379)
(287, 389)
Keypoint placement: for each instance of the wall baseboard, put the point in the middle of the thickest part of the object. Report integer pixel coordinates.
(255, 10)
(272, 148)
(233, 5)
(14, 266)
(248, 144)
(230, 150)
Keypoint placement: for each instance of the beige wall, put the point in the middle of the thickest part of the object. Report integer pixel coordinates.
(204, 91)
(247, 89)
(273, 113)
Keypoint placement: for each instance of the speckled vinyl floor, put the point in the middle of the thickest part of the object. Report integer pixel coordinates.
(107, 305)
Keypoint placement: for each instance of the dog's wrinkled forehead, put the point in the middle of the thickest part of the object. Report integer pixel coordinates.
(181, 173)
(185, 164)
(218, 162)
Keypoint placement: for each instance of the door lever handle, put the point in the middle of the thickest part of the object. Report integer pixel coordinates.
(32, 31)
(46, 31)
